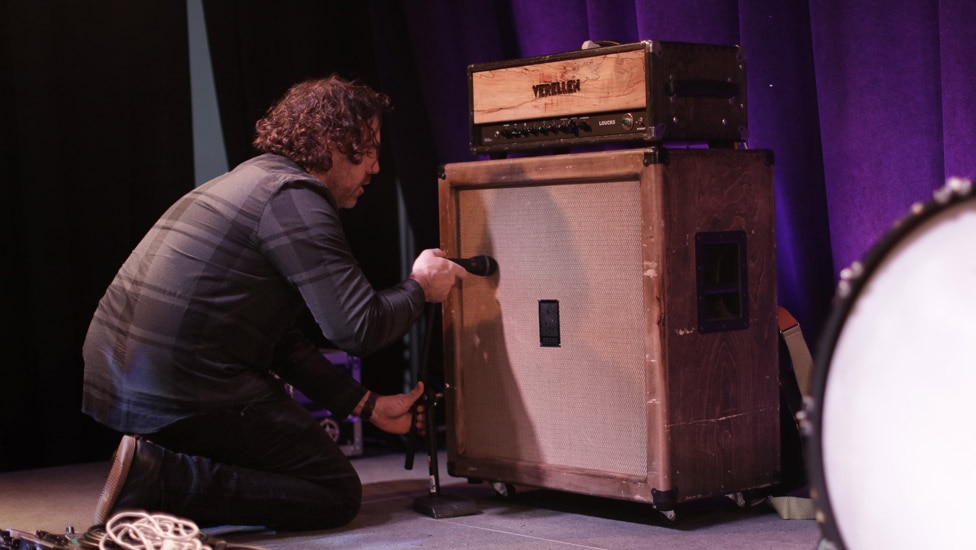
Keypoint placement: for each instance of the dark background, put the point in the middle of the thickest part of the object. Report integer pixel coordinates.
(866, 104)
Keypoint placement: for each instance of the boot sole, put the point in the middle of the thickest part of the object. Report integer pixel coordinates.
(121, 464)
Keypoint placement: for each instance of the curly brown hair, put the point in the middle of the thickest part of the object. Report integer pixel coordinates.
(318, 116)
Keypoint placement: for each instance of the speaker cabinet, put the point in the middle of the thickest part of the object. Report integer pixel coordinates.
(627, 345)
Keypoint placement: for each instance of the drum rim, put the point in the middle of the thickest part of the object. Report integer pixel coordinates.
(852, 282)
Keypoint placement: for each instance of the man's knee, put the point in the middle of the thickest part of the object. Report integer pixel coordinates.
(338, 508)
(352, 500)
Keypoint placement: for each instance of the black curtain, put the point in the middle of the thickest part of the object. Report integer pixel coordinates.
(95, 129)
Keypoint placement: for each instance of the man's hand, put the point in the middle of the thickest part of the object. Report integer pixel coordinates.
(392, 413)
(436, 274)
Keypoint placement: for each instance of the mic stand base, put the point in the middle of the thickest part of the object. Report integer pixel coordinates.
(434, 504)
(440, 506)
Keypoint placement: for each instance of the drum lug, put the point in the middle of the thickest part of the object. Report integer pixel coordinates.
(803, 417)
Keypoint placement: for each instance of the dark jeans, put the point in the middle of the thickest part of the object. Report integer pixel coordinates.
(267, 463)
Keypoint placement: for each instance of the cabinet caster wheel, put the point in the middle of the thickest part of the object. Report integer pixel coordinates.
(738, 499)
(506, 490)
(746, 500)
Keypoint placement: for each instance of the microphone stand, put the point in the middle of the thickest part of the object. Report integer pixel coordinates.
(434, 504)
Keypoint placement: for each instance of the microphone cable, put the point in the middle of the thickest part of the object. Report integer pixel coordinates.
(135, 530)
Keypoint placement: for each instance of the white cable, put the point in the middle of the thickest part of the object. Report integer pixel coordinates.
(142, 531)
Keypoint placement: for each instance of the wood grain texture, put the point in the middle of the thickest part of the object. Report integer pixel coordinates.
(605, 83)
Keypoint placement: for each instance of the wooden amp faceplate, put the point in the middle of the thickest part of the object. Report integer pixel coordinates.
(649, 91)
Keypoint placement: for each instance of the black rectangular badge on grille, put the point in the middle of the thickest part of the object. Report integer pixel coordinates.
(549, 323)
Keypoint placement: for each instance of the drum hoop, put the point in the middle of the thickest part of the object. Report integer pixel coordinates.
(852, 283)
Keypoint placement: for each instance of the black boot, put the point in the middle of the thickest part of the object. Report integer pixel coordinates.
(133, 481)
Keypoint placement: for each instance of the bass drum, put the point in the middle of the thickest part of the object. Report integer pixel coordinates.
(891, 440)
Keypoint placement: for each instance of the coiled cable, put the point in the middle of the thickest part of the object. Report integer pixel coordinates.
(143, 531)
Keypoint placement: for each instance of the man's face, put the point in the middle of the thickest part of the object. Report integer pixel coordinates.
(347, 180)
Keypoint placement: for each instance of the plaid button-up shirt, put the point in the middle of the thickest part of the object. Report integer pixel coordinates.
(201, 315)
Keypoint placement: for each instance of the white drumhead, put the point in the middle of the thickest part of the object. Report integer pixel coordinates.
(898, 437)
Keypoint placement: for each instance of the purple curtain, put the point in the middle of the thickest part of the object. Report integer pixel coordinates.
(863, 102)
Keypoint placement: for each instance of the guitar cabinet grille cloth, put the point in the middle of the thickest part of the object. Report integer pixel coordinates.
(627, 345)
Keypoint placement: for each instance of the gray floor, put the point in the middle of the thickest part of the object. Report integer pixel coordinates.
(53, 499)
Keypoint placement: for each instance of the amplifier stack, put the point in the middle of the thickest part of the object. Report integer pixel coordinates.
(627, 345)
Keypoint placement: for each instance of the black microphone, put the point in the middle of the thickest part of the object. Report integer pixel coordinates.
(478, 265)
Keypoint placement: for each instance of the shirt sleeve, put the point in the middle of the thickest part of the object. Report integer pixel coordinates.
(301, 234)
(300, 363)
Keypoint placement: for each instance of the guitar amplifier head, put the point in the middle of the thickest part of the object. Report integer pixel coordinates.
(647, 92)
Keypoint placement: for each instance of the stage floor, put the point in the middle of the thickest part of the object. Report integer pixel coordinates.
(53, 499)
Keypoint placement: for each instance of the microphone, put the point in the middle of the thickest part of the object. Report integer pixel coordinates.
(478, 265)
